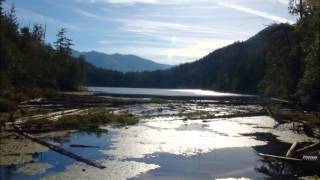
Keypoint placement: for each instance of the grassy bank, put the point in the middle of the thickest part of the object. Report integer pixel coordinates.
(296, 115)
(89, 120)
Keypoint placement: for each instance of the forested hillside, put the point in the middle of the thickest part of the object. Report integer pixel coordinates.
(30, 67)
(281, 61)
(238, 67)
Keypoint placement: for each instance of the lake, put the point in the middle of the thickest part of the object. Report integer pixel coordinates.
(173, 140)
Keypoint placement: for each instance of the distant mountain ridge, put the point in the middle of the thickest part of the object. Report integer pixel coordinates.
(239, 67)
(119, 62)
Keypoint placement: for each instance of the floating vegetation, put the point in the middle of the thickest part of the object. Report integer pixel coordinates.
(16, 150)
(34, 168)
(91, 119)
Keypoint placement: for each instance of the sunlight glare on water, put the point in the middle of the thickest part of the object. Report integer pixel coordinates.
(189, 138)
(199, 92)
(158, 92)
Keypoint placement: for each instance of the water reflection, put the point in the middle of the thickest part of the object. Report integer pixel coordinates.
(159, 92)
(170, 148)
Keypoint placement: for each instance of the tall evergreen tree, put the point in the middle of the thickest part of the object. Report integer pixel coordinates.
(63, 44)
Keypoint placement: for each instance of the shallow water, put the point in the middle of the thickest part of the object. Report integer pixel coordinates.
(158, 92)
(165, 147)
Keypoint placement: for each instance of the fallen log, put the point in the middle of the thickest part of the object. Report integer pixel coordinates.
(309, 148)
(62, 151)
(249, 114)
(83, 146)
(283, 158)
(268, 110)
(291, 152)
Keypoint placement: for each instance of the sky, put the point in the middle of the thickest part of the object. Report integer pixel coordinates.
(165, 31)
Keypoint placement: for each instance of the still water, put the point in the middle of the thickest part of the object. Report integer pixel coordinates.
(167, 143)
(158, 92)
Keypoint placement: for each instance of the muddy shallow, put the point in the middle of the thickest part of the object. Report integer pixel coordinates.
(170, 142)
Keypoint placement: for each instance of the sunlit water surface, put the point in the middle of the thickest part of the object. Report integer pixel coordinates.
(158, 92)
(159, 147)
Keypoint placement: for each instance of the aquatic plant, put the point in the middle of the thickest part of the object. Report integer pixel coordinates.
(90, 120)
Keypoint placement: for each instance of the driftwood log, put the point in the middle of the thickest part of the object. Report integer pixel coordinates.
(280, 157)
(309, 148)
(291, 151)
(62, 151)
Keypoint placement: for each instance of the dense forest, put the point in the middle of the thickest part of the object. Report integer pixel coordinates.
(29, 66)
(282, 61)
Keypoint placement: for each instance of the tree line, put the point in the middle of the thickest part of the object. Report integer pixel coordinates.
(29, 66)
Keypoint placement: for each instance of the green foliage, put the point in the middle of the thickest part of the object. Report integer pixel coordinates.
(309, 85)
(63, 44)
(7, 105)
(283, 64)
(38, 123)
(29, 66)
(93, 119)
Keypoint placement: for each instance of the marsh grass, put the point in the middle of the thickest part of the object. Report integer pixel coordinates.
(312, 118)
(90, 120)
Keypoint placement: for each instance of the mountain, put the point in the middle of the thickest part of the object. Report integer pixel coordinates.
(119, 62)
(279, 61)
(239, 67)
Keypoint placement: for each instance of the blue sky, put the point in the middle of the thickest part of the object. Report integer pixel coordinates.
(165, 31)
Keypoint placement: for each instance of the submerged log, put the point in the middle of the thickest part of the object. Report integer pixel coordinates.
(291, 151)
(83, 146)
(62, 151)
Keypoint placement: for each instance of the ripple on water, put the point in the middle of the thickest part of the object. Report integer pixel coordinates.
(116, 170)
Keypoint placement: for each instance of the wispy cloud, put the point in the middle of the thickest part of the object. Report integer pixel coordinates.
(285, 2)
(86, 13)
(169, 2)
(156, 27)
(93, 15)
(148, 26)
(38, 18)
(255, 12)
(169, 40)
(168, 31)
(119, 1)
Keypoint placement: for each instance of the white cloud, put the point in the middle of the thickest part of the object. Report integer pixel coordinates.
(256, 12)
